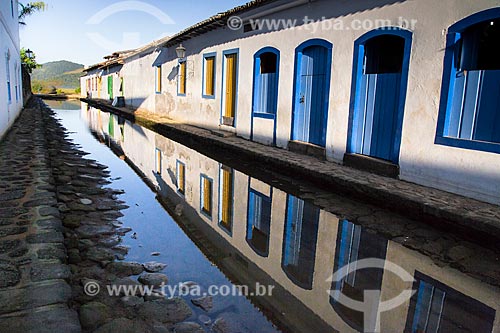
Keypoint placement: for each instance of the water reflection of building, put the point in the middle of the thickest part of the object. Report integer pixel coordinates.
(277, 238)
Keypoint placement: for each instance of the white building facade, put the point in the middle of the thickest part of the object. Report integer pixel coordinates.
(11, 99)
(414, 85)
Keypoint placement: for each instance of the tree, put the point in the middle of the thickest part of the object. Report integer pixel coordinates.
(29, 9)
(29, 63)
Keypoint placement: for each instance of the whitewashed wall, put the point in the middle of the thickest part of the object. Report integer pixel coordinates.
(467, 172)
(9, 44)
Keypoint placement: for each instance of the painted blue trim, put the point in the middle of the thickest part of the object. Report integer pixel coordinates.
(177, 177)
(202, 177)
(224, 53)
(448, 85)
(178, 76)
(298, 63)
(205, 56)
(251, 208)
(358, 62)
(273, 116)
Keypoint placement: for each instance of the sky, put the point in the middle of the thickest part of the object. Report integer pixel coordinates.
(84, 31)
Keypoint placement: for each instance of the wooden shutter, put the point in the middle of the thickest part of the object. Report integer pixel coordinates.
(181, 178)
(230, 85)
(182, 78)
(227, 196)
(209, 76)
(207, 196)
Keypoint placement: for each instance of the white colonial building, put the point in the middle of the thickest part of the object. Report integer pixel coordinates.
(11, 99)
(408, 87)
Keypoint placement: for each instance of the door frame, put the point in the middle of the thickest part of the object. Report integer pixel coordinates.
(223, 86)
(358, 63)
(296, 80)
(274, 117)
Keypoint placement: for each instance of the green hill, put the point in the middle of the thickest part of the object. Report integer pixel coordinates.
(63, 75)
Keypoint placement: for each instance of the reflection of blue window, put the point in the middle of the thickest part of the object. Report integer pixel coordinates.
(470, 101)
(435, 307)
(259, 222)
(353, 244)
(429, 308)
(299, 246)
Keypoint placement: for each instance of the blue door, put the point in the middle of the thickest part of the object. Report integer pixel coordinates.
(311, 94)
(379, 97)
(300, 237)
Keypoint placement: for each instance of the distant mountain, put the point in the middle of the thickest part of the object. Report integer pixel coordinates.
(59, 74)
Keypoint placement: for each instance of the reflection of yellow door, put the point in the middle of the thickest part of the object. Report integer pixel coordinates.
(231, 63)
(99, 86)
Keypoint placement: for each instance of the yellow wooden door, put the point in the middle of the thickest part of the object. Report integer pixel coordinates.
(99, 86)
(231, 63)
(227, 197)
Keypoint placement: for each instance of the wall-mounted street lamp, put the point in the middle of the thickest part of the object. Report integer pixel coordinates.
(181, 52)
(29, 54)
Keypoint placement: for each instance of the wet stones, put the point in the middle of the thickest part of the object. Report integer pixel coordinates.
(205, 303)
(122, 269)
(188, 327)
(10, 275)
(153, 279)
(153, 266)
(173, 310)
(42, 272)
(9, 245)
(93, 315)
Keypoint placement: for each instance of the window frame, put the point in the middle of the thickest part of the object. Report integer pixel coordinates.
(158, 161)
(448, 81)
(220, 221)
(158, 75)
(207, 214)
(179, 190)
(214, 74)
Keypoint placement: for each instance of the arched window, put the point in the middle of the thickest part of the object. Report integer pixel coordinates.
(470, 100)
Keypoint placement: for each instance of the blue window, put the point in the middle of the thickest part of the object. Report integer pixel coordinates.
(435, 307)
(470, 99)
(259, 222)
(265, 98)
(206, 185)
(209, 75)
(7, 66)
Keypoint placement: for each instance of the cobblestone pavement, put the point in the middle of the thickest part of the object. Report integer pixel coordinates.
(439, 208)
(34, 293)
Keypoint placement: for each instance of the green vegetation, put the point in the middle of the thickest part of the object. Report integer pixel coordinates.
(29, 9)
(29, 63)
(63, 76)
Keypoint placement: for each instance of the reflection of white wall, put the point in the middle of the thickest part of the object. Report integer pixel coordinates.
(9, 56)
(139, 146)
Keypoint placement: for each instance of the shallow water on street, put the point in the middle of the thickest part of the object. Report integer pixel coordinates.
(232, 225)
